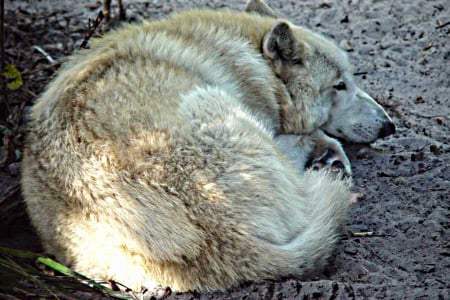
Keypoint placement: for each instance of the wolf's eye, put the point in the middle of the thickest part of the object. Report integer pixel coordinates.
(340, 86)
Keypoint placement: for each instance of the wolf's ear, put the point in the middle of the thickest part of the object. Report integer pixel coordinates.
(280, 43)
(260, 7)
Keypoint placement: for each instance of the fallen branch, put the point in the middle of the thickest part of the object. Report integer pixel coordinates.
(92, 28)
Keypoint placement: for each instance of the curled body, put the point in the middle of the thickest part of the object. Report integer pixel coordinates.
(152, 158)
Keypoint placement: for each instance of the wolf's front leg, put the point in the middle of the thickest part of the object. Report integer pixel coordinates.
(328, 153)
(297, 148)
(316, 151)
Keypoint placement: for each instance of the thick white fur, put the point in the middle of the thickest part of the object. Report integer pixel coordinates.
(151, 158)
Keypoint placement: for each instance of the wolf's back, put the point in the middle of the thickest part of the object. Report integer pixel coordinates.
(150, 160)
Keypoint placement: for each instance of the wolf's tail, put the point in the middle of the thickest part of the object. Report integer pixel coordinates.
(329, 199)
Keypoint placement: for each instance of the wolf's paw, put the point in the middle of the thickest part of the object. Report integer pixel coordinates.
(332, 159)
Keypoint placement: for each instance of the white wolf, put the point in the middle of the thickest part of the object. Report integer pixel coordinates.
(151, 158)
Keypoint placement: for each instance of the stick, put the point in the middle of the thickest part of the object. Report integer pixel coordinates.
(442, 25)
(46, 55)
(66, 36)
(107, 9)
(92, 29)
(45, 67)
(10, 149)
(122, 13)
(367, 234)
(362, 234)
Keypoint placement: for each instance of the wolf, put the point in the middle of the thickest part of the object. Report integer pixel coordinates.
(155, 157)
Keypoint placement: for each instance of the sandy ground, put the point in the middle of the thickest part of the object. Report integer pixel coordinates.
(401, 54)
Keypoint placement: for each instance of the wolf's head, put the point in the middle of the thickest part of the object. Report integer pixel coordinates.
(319, 84)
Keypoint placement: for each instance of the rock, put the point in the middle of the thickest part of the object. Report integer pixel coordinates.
(418, 156)
(435, 150)
(350, 250)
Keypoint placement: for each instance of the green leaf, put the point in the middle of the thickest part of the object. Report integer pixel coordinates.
(54, 285)
(69, 272)
(18, 253)
(18, 154)
(11, 72)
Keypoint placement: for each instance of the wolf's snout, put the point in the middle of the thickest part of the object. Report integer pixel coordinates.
(387, 129)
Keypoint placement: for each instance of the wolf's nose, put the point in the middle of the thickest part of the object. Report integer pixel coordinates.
(387, 129)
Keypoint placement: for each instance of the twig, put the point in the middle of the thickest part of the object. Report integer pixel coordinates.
(122, 13)
(367, 234)
(107, 9)
(359, 73)
(10, 155)
(44, 67)
(427, 116)
(442, 25)
(364, 269)
(361, 234)
(373, 252)
(92, 29)
(112, 282)
(45, 53)
(86, 280)
(29, 92)
(66, 36)
(4, 112)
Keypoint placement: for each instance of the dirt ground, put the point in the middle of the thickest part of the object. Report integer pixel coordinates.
(401, 54)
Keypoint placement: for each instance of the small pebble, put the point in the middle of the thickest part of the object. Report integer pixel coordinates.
(345, 19)
(420, 100)
(350, 250)
(419, 156)
(435, 150)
